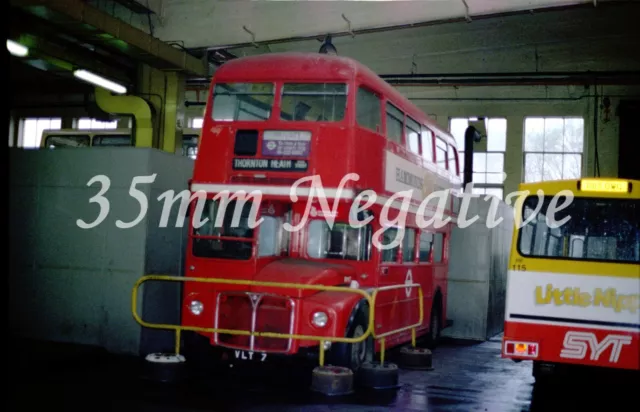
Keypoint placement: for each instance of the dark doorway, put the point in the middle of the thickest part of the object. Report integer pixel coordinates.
(629, 112)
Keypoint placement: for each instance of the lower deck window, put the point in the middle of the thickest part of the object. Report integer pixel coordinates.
(340, 242)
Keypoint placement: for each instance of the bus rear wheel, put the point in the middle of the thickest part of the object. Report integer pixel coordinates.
(435, 327)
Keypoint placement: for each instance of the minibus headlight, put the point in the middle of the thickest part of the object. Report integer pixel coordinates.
(196, 307)
(320, 319)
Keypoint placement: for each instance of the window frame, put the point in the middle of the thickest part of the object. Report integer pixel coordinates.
(378, 97)
(543, 152)
(446, 152)
(412, 259)
(389, 104)
(426, 130)
(429, 253)
(443, 259)
(417, 129)
(272, 105)
(483, 187)
(22, 125)
(282, 95)
(365, 235)
(546, 200)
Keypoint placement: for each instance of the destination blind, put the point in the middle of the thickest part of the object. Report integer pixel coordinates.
(285, 165)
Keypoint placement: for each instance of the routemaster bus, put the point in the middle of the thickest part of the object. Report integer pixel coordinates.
(573, 289)
(270, 121)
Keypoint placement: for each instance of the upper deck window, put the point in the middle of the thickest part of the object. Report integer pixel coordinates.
(395, 120)
(313, 102)
(441, 153)
(242, 101)
(368, 110)
(413, 135)
(453, 160)
(427, 144)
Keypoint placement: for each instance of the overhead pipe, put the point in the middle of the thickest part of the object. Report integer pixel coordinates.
(513, 79)
(129, 105)
(490, 79)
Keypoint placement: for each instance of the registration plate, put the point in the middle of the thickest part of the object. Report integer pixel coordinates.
(250, 356)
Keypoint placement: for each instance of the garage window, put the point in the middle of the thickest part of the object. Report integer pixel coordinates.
(32, 129)
(488, 166)
(86, 124)
(196, 123)
(553, 148)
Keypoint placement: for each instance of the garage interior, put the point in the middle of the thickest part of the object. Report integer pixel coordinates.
(561, 69)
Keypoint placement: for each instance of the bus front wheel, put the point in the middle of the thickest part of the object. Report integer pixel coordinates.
(354, 355)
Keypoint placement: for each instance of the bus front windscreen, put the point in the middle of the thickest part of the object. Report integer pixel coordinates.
(592, 229)
(228, 239)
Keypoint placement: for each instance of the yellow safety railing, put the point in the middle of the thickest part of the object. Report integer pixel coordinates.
(321, 339)
(381, 337)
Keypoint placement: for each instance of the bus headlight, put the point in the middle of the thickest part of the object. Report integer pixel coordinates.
(320, 319)
(196, 307)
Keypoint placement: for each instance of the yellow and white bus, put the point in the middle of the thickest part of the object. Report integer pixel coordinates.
(52, 139)
(573, 289)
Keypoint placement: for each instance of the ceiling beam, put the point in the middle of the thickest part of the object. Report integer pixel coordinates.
(98, 27)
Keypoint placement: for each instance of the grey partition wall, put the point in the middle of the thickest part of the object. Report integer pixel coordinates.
(478, 263)
(73, 284)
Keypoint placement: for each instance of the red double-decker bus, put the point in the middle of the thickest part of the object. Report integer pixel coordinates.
(272, 120)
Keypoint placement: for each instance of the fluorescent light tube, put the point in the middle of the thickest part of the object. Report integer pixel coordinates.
(17, 49)
(100, 81)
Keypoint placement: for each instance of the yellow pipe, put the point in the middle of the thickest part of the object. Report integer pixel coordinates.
(129, 105)
(413, 337)
(382, 351)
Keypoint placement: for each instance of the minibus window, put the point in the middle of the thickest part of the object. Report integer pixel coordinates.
(597, 229)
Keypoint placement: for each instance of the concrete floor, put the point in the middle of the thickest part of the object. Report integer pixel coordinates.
(467, 377)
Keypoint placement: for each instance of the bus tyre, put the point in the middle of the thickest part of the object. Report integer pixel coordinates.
(332, 380)
(354, 355)
(165, 367)
(378, 376)
(415, 358)
(435, 327)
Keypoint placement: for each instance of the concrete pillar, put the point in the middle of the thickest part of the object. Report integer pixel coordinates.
(513, 156)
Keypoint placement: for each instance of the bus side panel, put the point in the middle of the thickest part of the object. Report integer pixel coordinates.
(578, 345)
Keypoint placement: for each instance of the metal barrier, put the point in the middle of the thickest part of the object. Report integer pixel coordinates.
(321, 339)
(413, 327)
